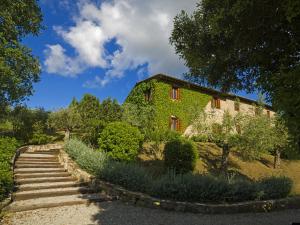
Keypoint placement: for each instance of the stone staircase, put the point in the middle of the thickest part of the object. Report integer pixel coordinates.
(42, 182)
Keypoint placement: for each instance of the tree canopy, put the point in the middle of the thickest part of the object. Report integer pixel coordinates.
(18, 67)
(245, 44)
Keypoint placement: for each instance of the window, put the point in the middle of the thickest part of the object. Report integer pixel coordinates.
(236, 106)
(174, 123)
(216, 103)
(268, 113)
(147, 95)
(175, 93)
(238, 128)
(257, 111)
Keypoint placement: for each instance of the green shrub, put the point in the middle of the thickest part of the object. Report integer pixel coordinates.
(129, 175)
(121, 141)
(181, 155)
(8, 148)
(40, 139)
(189, 187)
(243, 190)
(200, 138)
(87, 158)
(275, 187)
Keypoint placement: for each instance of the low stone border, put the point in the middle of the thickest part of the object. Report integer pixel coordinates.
(140, 199)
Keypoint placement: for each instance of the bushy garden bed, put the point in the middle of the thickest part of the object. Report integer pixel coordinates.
(173, 185)
(8, 148)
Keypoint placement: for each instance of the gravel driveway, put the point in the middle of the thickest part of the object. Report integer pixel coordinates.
(118, 213)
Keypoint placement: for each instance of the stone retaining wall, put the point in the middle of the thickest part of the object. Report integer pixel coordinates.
(145, 200)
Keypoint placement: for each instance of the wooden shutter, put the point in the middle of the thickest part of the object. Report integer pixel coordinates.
(178, 93)
(170, 123)
(212, 103)
(170, 93)
(178, 125)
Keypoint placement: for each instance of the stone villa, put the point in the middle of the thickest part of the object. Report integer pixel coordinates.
(176, 100)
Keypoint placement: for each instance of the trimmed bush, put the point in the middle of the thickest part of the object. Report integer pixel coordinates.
(121, 141)
(275, 187)
(189, 187)
(180, 155)
(129, 175)
(243, 190)
(8, 148)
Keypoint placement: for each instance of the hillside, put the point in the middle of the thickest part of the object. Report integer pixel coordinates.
(209, 161)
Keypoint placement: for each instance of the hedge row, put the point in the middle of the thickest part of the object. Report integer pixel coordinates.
(182, 187)
(8, 148)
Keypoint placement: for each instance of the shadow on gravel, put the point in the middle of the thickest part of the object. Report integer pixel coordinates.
(119, 213)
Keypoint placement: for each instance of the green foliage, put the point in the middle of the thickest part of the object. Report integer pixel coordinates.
(88, 108)
(8, 147)
(27, 121)
(228, 51)
(275, 187)
(92, 130)
(65, 119)
(189, 187)
(128, 175)
(110, 110)
(87, 158)
(182, 187)
(121, 141)
(18, 67)
(256, 137)
(40, 139)
(184, 108)
(161, 106)
(181, 155)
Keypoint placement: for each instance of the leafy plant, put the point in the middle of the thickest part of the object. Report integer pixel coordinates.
(275, 187)
(181, 155)
(121, 141)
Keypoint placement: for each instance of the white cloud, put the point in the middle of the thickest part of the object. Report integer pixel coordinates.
(141, 28)
(58, 62)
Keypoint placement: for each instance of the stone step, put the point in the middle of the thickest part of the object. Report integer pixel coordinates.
(38, 166)
(40, 175)
(38, 159)
(24, 195)
(43, 152)
(38, 155)
(49, 202)
(36, 162)
(43, 180)
(47, 185)
(39, 170)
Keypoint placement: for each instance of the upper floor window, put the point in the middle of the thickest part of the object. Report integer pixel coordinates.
(216, 103)
(236, 106)
(175, 94)
(268, 114)
(147, 95)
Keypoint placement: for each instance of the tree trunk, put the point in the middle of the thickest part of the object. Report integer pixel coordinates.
(67, 134)
(277, 159)
(224, 160)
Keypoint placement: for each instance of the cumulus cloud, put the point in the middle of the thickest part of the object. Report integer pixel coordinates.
(141, 29)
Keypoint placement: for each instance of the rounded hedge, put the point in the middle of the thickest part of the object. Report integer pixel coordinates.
(181, 155)
(120, 141)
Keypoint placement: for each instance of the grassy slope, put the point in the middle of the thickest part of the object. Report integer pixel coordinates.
(209, 162)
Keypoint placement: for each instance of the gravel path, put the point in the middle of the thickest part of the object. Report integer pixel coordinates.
(117, 213)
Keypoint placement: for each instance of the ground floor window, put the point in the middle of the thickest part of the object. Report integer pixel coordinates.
(174, 123)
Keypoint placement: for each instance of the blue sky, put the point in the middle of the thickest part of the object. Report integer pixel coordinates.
(103, 48)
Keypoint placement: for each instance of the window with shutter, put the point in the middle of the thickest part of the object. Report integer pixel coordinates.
(216, 103)
(236, 106)
(175, 123)
(147, 95)
(175, 93)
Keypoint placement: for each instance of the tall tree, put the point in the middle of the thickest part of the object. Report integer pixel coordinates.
(18, 67)
(110, 110)
(245, 44)
(89, 107)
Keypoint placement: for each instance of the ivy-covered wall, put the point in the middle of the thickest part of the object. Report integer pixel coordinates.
(185, 108)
